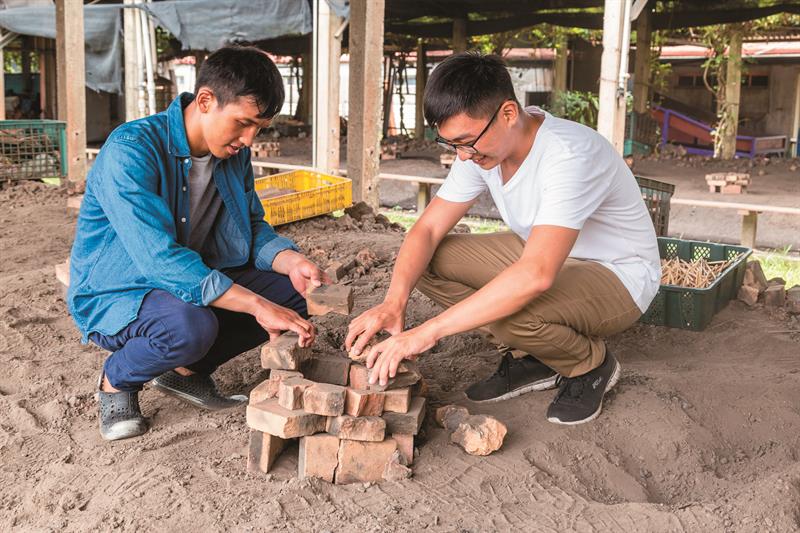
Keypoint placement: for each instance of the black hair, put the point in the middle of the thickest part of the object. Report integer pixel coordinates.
(243, 71)
(470, 83)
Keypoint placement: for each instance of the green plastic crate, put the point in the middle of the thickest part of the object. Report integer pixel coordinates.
(33, 149)
(657, 196)
(680, 307)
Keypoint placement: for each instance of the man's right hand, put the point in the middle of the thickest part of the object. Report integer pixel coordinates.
(275, 319)
(386, 316)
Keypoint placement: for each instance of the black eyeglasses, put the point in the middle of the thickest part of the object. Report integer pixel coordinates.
(467, 148)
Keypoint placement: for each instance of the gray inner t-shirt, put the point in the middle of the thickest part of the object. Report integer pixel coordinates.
(204, 201)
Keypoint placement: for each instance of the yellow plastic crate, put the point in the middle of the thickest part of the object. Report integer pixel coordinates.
(314, 194)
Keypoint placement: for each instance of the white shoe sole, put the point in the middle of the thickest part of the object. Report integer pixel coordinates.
(611, 382)
(235, 401)
(544, 384)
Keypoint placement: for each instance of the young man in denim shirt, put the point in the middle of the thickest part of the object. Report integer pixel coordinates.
(174, 269)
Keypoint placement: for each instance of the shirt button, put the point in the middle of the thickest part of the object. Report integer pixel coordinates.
(186, 160)
(183, 219)
(184, 188)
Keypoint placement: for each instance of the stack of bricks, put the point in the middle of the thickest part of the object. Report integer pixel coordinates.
(349, 431)
(262, 149)
(728, 182)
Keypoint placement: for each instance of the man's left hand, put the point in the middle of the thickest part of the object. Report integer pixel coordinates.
(385, 357)
(301, 271)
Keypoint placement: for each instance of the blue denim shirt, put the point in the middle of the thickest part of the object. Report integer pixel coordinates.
(134, 224)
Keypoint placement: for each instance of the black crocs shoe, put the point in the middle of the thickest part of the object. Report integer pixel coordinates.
(512, 378)
(120, 415)
(580, 399)
(196, 389)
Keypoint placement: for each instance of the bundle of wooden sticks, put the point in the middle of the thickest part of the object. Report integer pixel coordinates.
(697, 274)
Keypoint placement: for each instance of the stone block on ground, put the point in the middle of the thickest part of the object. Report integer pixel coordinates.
(754, 276)
(395, 470)
(359, 376)
(793, 300)
(405, 445)
(324, 399)
(479, 434)
(327, 369)
(319, 457)
(263, 450)
(290, 392)
(397, 400)
(269, 417)
(748, 295)
(450, 416)
(284, 353)
(408, 423)
(329, 299)
(361, 428)
(363, 462)
(775, 296)
(364, 403)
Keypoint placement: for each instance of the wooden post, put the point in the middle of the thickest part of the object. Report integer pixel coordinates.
(641, 65)
(363, 129)
(560, 65)
(459, 34)
(2, 84)
(47, 69)
(423, 197)
(305, 98)
(327, 54)
(749, 227)
(611, 115)
(71, 80)
(132, 66)
(422, 78)
(733, 88)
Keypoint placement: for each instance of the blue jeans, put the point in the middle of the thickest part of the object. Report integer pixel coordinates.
(170, 333)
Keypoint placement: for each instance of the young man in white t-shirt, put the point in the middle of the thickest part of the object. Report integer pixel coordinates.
(580, 263)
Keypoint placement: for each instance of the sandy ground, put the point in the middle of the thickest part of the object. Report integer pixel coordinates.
(700, 435)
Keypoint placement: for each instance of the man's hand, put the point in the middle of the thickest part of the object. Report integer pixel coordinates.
(386, 316)
(275, 319)
(303, 273)
(385, 357)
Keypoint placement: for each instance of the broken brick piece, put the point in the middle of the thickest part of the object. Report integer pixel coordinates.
(405, 445)
(261, 392)
(450, 416)
(264, 449)
(327, 369)
(397, 400)
(336, 271)
(479, 434)
(318, 457)
(754, 276)
(277, 376)
(407, 374)
(284, 353)
(324, 399)
(395, 470)
(290, 392)
(363, 402)
(363, 462)
(329, 299)
(408, 423)
(363, 428)
(269, 417)
(775, 296)
(748, 295)
(359, 377)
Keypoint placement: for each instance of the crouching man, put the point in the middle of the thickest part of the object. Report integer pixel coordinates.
(173, 268)
(579, 264)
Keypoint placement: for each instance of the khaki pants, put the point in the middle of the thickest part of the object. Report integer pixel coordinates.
(563, 328)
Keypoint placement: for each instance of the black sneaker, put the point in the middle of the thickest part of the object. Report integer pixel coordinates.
(512, 378)
(197, 390)
(580, 399)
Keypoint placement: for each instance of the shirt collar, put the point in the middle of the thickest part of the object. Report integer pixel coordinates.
(176, 129)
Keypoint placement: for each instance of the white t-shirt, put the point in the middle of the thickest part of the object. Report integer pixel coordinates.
(573, 178)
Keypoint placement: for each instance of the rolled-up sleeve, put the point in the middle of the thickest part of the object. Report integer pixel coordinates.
(127, 185)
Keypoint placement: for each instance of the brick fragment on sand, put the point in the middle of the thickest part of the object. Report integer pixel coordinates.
(748, 295)
(264, 449)
(450, 416)
(395, 470)
(290, 392)
(275, 379)
(397, 400)
(363, 462)
(329, 299)
(407, 375)
(336, 271)
(359, 376)
(327, 369)
(775, 296)
(269, 417)
(754, 276)
(324, 399)
(408, 423)
(318, 457)
(364, 403)
(284, 353)
(361, 428)
(62, 275)
(405, 445)
(479, 434)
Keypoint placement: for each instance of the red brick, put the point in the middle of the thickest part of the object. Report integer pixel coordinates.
(407, 375)
(271, 418)
(405, 444)
(319, 457)
(395, 470)
(327, 369)
(363, 462)
(748, 295)
(363, 428)
(324, 399)
(264, 449)
(329, 299)
(290, 392)
(754, 276)
(397, 400)
(359, 377)
(261, 392)
(275, 378)
(284, 353)
(408, 423)
(363, 403)
(775, 296)
(336, 271)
